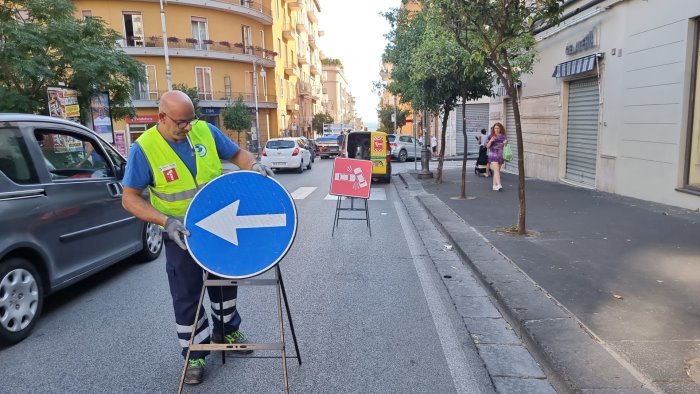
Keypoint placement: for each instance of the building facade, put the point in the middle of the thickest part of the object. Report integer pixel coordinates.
(612, 104)
(340, 103)
(263, 51)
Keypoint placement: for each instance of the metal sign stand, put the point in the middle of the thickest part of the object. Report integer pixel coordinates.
(281, 295)
(338, 208)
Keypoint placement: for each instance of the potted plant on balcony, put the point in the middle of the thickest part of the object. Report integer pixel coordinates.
(225, 44)
(208, 42)
(238, 45)
(191, 40)
(173, 39)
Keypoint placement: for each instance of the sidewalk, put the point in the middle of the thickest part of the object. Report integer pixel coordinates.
(607, 290)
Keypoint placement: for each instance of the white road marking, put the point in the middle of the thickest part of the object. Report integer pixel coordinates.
(225, 222)
(303, 192)
(451, 347)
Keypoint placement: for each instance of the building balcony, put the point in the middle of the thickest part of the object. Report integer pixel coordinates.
(313, 69)
(288, 31)
(304, 89)
(253, 9)
(311, 14)
(301, 27)
(207, 99)
(291, 69)
(294, 5)
(302, 58)
(209, 49)
(312, 43)
(292, 105)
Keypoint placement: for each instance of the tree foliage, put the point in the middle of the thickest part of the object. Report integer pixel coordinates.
(318, 121)
(386, 124)
(500, 32)
(236, 117)
(42, 45)
(430, 69)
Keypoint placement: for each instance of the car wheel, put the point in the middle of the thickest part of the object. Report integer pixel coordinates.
(152, 242)
(301, 167)
(402, 156)
(309, 166)
(21, 299)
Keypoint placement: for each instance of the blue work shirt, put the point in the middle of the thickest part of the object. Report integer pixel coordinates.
(138, 174)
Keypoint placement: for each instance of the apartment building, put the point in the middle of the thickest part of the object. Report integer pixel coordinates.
(340, 103)
(298, 70)
(224, 49)
(612, 104)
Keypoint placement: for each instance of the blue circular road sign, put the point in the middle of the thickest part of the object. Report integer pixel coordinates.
(241, 224)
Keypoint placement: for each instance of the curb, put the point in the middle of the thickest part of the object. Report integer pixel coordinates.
(573, 358)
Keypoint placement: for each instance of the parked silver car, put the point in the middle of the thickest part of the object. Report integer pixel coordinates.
(404, 147)
(61, 217)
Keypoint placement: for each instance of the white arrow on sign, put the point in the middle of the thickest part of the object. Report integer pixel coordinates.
(225, 222)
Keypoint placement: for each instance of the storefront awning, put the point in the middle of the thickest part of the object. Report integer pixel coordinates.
(577, 66)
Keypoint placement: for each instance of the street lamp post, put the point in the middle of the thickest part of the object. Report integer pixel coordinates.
(263, 74)
(425, 151)
(168, 73)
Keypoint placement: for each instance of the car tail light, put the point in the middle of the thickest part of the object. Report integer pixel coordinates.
(296, 152)
(393, 145)
(264, 152)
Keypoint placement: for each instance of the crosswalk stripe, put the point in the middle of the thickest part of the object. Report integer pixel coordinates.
(302, 192)
(375, 194)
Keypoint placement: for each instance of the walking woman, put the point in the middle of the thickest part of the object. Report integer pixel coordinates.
(497, 140)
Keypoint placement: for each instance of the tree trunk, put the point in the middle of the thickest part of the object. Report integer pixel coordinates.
(463, 186)
(512, 92)
(441, 153)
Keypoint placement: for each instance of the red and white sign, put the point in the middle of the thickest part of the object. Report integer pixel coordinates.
(351, 177)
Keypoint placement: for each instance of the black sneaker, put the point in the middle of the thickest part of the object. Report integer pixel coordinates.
(195, 371)
(235, 337)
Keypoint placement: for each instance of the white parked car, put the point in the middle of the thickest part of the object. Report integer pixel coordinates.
(286, 153)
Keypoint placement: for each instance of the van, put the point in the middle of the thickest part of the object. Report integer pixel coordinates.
(370, 145)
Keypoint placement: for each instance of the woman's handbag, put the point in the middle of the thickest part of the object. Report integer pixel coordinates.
(507, 153)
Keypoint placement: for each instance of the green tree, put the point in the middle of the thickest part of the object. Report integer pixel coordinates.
(501, 33)
(192, 94)
(237, 118)
(318, 121)
(385, 114)
(431, 69)
(42, 45)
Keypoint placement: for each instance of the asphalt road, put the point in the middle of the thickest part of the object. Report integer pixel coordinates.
(370, 314)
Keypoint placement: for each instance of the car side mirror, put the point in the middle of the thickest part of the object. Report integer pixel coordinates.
(120, 171)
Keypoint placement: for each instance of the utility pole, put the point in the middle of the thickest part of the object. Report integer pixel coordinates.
(168, 73)
(395, 114)
(425, 152)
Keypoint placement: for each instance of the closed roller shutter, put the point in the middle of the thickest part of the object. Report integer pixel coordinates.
(512, 137)
(477, 119)
(582, 131)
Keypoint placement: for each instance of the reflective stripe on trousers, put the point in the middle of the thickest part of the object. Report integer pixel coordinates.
(186, 279)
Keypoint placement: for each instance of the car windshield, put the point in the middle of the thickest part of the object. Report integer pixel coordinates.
(391, 138)
(279, 144)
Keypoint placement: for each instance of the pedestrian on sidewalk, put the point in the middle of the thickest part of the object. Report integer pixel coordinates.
(482, 160)
(495, 153)
(433, 146)
(173, 160)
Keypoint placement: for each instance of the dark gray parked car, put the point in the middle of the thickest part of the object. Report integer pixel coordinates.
(61, 217)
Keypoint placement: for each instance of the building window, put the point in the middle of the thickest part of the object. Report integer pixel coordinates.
(247, 39)
(281, 87)
(693, 173)
(199, 32)
(86, 14)
(203, 78)
(227, 87)
(148, 89)
(262, 39)
(133, 29)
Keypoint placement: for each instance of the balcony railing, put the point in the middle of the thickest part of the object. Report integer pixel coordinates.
(288, 31)
(218, 96)
(210, 45)
(291, 69)
(302, 58)
(304, 88)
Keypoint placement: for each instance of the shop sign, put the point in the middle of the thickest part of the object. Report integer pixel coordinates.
(586, 43)
(140, 119)
(211, 111)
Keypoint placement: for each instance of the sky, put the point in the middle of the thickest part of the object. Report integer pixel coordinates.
(354, 33)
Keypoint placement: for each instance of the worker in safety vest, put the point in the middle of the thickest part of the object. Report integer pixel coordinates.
(173, 160)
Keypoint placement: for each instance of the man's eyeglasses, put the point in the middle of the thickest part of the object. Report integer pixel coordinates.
(183, 123)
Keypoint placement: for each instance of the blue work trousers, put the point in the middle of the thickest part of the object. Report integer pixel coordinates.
(186, 279)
